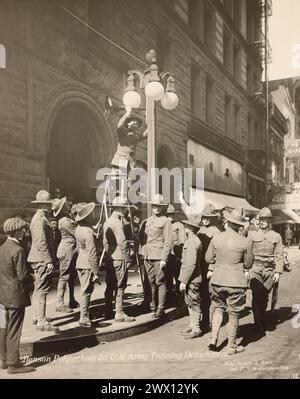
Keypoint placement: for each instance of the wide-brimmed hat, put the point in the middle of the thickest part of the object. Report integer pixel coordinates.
(83, 210)
(209, 211)
(236, 216)
(265, 213)
(42, 197)
(171, 210)
(57, 205)
(14, 224)
(158, 199)
(119, 202)
(193, 220)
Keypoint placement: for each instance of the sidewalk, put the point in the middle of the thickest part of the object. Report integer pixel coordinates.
(36, 343)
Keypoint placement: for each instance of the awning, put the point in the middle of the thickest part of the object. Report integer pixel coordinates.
(221, 201)
(228, 201)
(285, 216)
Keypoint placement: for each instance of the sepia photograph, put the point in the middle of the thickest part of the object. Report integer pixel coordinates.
(149, 192)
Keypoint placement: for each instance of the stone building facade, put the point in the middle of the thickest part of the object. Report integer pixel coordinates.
(53, 131)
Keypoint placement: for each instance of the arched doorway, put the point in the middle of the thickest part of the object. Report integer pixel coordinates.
(77, 148)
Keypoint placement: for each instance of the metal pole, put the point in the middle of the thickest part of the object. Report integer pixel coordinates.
(267, 84)
(151, 152)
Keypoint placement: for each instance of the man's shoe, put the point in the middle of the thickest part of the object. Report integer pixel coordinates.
(3, 364)
(47, 327)
(85, 323)
(20, 369)
(159, 314)
(63, 309)
(192, 335)
(235, 350)
(212, 346)
(124, 318)
(35, 321)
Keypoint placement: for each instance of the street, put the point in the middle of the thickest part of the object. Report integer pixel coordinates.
(163, 353)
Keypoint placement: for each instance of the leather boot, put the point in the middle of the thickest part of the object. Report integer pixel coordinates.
(61, 288)
(233, 324)
(84, 312)
(217, 319)
(258, 325)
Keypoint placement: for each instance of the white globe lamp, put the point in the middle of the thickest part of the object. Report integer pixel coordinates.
(169, 101)
(155, 91)
(132, 99)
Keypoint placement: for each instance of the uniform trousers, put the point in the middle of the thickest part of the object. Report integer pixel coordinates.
(42, 286)
(116, 280)
(157, 280)
(86, 289)
(193, 302)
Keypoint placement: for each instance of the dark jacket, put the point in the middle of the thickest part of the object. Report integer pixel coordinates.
(14, 276)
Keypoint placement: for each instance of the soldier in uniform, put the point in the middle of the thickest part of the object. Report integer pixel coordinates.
(206, 232)
(174, 261)
(128, 138)
(229, 255)
(190, 276)
(66, 254)
(42, 258)
(268, 265)
(158, 242)
(87, 260)
(119, 260)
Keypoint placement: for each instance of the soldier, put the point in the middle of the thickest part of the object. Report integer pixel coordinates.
(190, 276)
(229, 255)
(158, 242)
(268, 265)
(206, 232)
(14, 296)
(87, 260)
(128, 138)
(119, 260)
(66, 254)
(42, 258)
(174, 261)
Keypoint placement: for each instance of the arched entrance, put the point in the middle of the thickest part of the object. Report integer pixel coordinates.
(78, 146)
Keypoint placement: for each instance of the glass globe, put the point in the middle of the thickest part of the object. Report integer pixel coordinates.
(169, 101)
(131, 99)
(154, 91)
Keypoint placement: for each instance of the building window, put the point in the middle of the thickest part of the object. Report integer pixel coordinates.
(191, 160)
(227, 115)
(237, 62)
(227, 50)
(2, 56)
(209, 101)
(237, 122)
(196, 91)
(250, 81)
(195, 17)
(163, 52)
(209, 28)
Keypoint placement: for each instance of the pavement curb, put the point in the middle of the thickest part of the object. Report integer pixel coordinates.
(60, 344)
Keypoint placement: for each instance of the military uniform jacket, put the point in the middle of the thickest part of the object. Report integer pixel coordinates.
(86, 246)
(127, 142)
(190, 271)
(206, 234)
(179, 237)
(228, 254)
(67, 244)
(267, 248)
(157, 238)
(114, 239)
(43, 246)
(13, 276)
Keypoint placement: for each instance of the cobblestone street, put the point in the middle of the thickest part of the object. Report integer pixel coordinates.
(163, 353)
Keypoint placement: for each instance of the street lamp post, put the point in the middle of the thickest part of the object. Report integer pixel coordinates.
(157, 87)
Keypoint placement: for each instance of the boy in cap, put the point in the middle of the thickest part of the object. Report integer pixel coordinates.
(190, 275)
(14, 296)
(42, 258)
(229, 255)
(119, 260)
(87, 260)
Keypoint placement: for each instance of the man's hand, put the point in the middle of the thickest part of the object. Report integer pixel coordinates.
(162, 264)
(50, 268)
(209, 274)
(276, 277)
(182, 287)
(128, 265)
(247, 275)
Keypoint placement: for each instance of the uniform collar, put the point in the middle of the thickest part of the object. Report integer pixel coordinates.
(13, 239)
